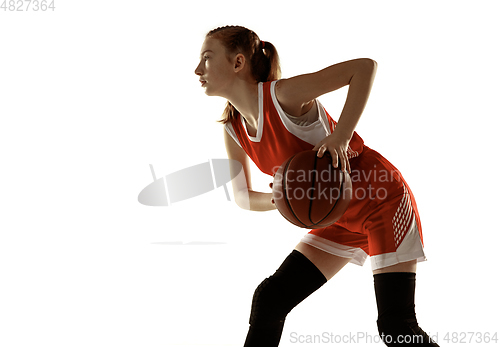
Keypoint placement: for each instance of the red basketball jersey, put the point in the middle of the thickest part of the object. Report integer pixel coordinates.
(278, 138)
(382, 219)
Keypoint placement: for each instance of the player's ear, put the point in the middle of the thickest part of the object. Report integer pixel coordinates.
(239, 62)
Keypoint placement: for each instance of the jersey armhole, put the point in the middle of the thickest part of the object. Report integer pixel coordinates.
(230, 130)
(323, 118)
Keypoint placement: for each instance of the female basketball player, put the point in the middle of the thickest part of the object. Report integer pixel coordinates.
(268, 119)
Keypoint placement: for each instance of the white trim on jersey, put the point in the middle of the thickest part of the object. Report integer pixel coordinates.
(410, 248)
(312, 133)
(357, 255)
(230, 130)
(260, 122)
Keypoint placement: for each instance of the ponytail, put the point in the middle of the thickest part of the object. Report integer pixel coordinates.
(263, 57)
(265, 63)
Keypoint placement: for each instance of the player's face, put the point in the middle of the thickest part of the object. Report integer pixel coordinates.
(214, 68)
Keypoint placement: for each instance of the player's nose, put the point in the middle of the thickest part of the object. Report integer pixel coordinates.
(198, 71)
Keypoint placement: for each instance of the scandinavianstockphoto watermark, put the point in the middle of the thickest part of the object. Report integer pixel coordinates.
(204, 177)
(215, 173)
(367, 338)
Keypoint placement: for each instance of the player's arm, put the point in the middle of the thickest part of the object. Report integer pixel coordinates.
(244, 196)
(294, 94)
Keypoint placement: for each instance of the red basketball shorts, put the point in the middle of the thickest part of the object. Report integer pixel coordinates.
(381, 221)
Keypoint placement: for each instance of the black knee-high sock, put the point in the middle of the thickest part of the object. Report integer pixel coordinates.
(277, 295)
(397, 322)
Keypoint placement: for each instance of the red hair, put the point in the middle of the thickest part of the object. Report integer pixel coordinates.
(263, 58)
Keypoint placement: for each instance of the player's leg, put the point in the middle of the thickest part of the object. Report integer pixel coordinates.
(304, 271)
(408, 266)
(395, 245)
(395, 294)
(395, 288)
(327, 263)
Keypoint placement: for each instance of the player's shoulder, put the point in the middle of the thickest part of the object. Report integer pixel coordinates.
(286, 94)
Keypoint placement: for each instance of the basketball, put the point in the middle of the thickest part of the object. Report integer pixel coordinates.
(309, 192)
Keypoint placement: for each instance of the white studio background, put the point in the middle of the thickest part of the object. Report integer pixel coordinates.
(95, 91)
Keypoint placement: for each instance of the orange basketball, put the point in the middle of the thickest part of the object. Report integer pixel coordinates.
(309, 192)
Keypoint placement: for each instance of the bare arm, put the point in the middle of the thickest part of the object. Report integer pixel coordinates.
(245, 197)
(296, 93)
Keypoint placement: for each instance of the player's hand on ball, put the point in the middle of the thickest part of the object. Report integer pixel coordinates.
(337, 146)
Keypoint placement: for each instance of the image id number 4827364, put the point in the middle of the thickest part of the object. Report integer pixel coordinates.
(470, 337)
(27, 5)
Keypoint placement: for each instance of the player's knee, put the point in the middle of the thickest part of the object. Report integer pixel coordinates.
(267, 308)
(277, 295)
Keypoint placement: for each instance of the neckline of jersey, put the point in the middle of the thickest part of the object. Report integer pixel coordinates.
(260, 121)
